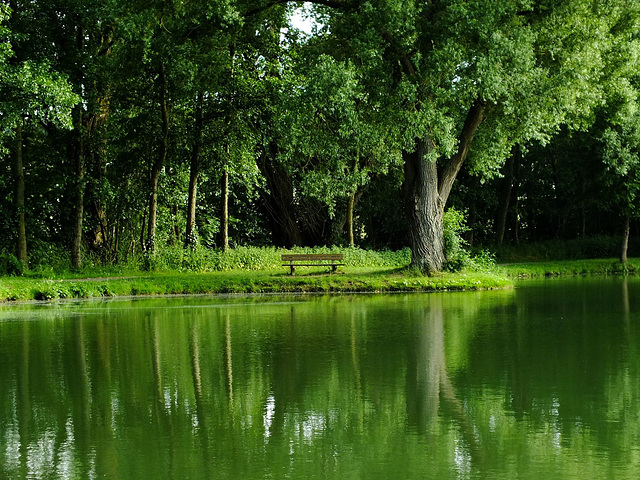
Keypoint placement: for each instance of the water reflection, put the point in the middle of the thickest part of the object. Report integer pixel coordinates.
(537, 382)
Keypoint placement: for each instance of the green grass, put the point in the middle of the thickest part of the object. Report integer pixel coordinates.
(606, 266)
(252, 270)
(347, 279)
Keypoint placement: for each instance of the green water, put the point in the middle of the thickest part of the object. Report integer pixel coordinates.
(539, 382)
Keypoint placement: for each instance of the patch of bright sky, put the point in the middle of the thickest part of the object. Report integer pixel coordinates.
(302, 20)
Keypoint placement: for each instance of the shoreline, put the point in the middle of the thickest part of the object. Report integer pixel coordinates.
(349, 280)
(373, 281)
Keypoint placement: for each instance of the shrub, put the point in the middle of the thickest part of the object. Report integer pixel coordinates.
(596, 246)
(48, 256)
(202, 259)
(454, 225)
(483, 261)
(10, 265)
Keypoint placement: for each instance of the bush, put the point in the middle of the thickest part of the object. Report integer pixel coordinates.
(483, 261)
(48, 256)
(10, 265)
(202, 259)
(454, 225)
(596, 246)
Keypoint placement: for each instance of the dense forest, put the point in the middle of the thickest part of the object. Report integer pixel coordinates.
(130, 126)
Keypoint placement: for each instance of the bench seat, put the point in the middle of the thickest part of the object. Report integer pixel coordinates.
(331, 260)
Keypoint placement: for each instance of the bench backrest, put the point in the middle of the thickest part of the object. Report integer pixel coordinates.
(308, 257)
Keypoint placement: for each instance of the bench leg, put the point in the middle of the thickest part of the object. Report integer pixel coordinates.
(293, 269)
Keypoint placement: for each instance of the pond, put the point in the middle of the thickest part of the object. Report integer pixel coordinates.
(542, 381)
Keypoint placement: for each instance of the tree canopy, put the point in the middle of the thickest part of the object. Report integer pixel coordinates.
(139, 124)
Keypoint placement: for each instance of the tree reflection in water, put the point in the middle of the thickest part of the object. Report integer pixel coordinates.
(417, 386)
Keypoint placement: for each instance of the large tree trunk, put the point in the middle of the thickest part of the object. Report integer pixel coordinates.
(426, 190)
(190, 233)
(18, 178)
(78, 158)
(625, 240)
(156, 168)
(424, 209)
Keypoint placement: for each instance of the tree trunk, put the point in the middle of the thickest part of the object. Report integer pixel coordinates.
(154, 174)
(426, 190)
(78, 162)
(583, 216)
(515, 203)
(142, 229)
(424, 209)
(78, 157)
(174, 237)
(18, 176)
(224, 216)
(279, 201)
(625, 240)
(190, 239)
(505, 197)
(150, 245)
(224, 181)
(350, 203)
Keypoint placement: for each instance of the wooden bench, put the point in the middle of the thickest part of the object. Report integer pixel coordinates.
(332, 260)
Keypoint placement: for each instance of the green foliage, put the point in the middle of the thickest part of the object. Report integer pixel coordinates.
(457, 250)
(322, 117)
(570, 267)
(455, 247)
(10, 265)
(201, 259)
(484, 261)
(49, 257)
(591, 247)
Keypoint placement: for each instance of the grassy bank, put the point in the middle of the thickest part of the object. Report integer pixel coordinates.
(348, 279)
(259, 271)
(175, 271)
(606, 266)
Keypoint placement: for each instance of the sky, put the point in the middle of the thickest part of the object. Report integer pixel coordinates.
(301, 22)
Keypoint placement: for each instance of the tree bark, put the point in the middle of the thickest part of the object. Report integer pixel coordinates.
(156, 168)
(19, 188)
(194, 172)
(424, 209)
(625, 240)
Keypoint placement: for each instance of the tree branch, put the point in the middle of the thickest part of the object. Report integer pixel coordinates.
(452, 166)
(327, 3)
(408, 67)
